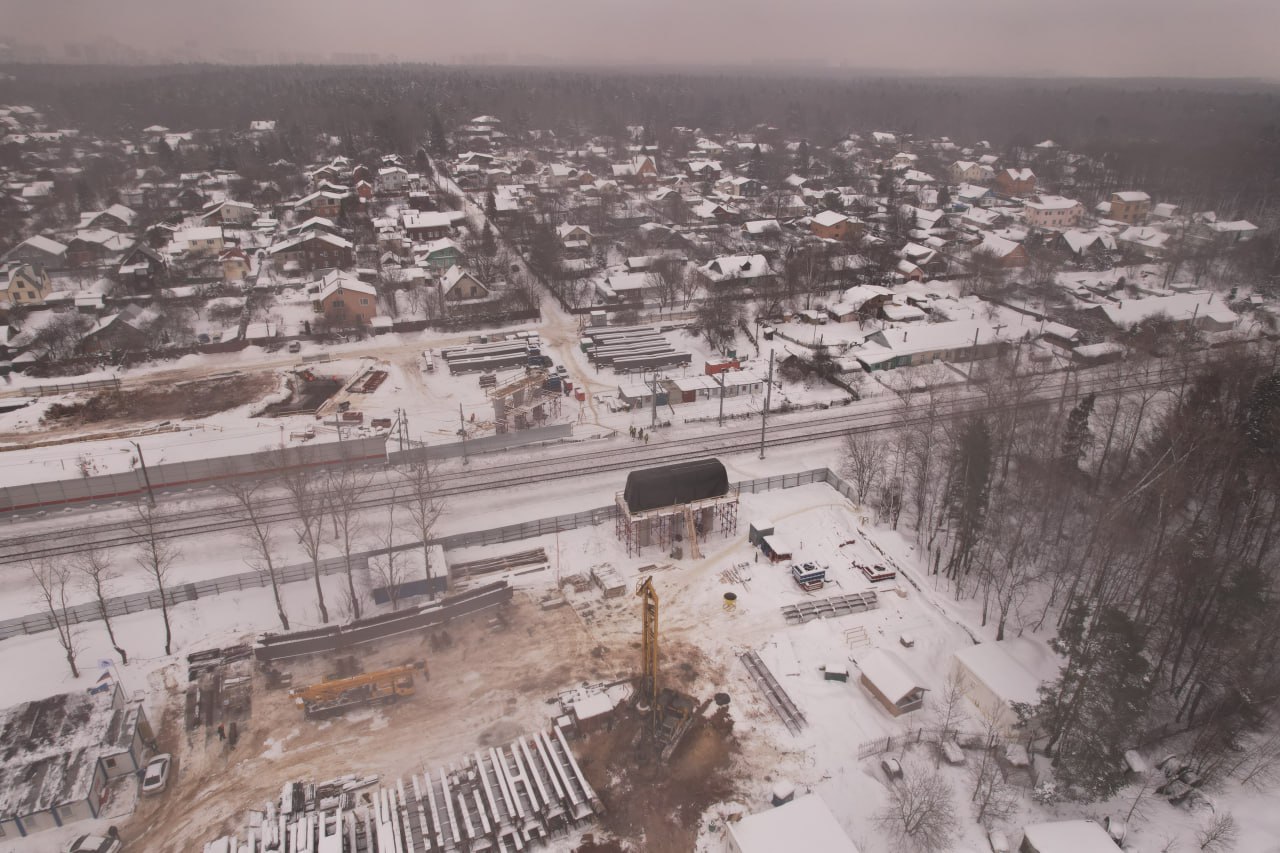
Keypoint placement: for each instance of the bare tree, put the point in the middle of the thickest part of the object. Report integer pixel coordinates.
(920, 811)
(53, 578)
(156, 556)
(248, 506)
(389, 569)
(1220, 834)
(97, 574)
(307, 503)
(863, 463)
(993, 797)
(346, 488)
(423, 506)
(949, 705)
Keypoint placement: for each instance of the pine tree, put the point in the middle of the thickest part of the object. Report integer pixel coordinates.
(969, 494)
(488, 247)
(802, 158)
(490, 205)
(1076, 436)
(1095, 707)
(439, 145)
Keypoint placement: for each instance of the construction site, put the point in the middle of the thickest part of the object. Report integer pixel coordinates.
(579, 690)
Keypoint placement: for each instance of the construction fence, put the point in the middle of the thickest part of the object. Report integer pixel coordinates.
(123, 605)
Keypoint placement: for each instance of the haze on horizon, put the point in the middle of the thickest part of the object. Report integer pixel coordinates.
(1089, 38)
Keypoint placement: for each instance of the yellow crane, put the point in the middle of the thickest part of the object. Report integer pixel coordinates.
(367, 688)
(649, 646)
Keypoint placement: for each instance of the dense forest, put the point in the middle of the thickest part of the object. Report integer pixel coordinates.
(1209, 139)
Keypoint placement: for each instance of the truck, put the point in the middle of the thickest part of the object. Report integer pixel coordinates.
(338, 695)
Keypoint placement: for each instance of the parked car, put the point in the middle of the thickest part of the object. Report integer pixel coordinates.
(999, 841)
(156, 775)
(96, 843)
(294, 346)
(891, 767)
(562, 371)
(1116, 828)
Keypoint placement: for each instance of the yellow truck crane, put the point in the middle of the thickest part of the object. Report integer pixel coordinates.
(335, 696)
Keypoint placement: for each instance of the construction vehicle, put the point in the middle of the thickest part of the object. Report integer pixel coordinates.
(337, 695)
(671, 712)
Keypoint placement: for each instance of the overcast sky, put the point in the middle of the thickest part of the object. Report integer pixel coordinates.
(1166, 38)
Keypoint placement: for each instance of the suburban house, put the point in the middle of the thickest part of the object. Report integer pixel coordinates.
(576, 239)
(119, 332)
(1147, 242)
(324, 203)
(1052, 211)
(1130, 207)
(48, 253)
(229, 213)
(891, 682)
(202, 242)
(693, 389)
(627, 287)
(95, 246)
(994, 679)
(345, 300)
(968, 172)
(439, 254)
(235, 264)
(28, 285)
(62, 753)
(736, 269)
(314, 250)
(640, 169)
(741, 187)
(956, 340)
(458, 285)
(1083, 244)
(117, 216)
(1009, 253)
(1200, 309)
(391, 180)
(803, 824)
(833, 225)
(859, 303)
(431, 225)
(1015, 182)
(143, 265)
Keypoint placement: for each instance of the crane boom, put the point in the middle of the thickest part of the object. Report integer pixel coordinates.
(649, 645)
(334, 696)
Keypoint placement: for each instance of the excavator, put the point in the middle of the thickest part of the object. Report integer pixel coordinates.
(335, 696)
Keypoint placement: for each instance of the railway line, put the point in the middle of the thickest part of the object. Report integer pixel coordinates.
(215, 515)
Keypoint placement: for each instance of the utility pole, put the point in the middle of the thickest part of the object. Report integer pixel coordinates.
(764, 413)
(462, 430)
(146, 478)
(720, 379)
(653, 389)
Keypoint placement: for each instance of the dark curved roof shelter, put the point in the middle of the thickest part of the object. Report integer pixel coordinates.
(672, 485)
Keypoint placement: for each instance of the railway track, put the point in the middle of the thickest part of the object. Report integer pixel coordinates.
(782, 431)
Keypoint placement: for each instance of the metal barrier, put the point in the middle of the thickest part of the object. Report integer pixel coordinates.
(67, 387)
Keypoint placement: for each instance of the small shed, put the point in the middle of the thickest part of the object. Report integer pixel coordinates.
(775, 548)
(805, 823)
(1067, 836)
(758, 530)
(592, 713)
(891, 682)
(835, 671)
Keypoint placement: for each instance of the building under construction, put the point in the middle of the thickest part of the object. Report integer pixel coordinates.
(529, 400)
(674, 507)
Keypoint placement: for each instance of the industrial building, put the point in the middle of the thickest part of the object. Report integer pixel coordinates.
(61, 754)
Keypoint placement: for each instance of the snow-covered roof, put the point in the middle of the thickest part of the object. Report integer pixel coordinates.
(762, 226)
(432, 219)
(830, 218)
(863, 293)
(336, 281)
(1023, 174)
(889, 674)
(902, 313)
(1051, 202)
(736, 267)
(805, 823)
(1079, 241)
(1177, 306)
(1131, 196)
(44, 244)
(998, 246)
(1069, 836)
(1000, 673)
(887, 344)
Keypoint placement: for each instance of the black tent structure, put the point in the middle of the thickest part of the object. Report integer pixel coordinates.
(674, 505)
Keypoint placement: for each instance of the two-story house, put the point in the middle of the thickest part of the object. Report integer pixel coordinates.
(1015, 182)
(344, 300)
(28, 285)
(1131, 207)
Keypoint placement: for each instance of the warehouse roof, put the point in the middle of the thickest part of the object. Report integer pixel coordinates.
(670, 485)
